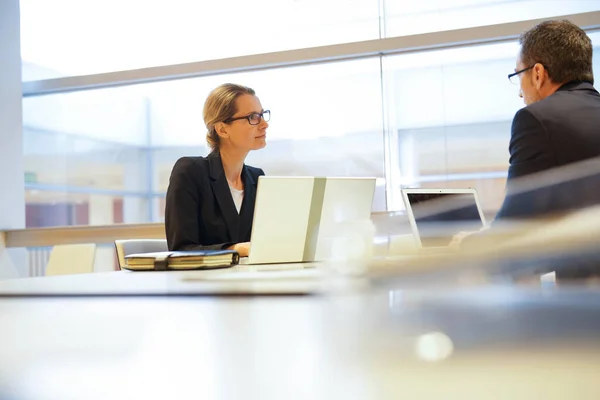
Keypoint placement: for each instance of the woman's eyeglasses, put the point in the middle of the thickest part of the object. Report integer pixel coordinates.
(254, 118)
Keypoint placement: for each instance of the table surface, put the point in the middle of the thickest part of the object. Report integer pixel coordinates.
(240, 279)
(475, 342)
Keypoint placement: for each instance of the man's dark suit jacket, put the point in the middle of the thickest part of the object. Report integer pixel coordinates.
(200, 212)
(562, 129)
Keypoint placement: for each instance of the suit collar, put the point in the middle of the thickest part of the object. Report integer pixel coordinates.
(576, 85)
(217, 171)
(215, 165)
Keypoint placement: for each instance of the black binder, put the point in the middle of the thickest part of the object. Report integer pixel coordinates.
(182, 260)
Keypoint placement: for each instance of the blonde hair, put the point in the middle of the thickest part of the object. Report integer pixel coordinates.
(219, 107)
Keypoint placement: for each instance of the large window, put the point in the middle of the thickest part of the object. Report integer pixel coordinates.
(413, 17)
(452, 111)
(74, 37)
(326, 120)
(427, 118)
(123, 142)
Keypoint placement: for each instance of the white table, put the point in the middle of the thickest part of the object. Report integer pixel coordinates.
(293, 278)
(472, 343)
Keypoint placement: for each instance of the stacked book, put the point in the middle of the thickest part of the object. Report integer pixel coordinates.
(181, 260)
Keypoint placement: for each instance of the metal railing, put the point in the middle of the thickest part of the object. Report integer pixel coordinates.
(38, 259)
(101, 234)
(38, 242)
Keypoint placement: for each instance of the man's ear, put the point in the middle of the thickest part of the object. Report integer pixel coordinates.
(540, 76)
(221, 129)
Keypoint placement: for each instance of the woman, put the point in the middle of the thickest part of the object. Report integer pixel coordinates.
(210, 200)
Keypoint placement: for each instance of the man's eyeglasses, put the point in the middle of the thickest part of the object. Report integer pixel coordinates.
(254, 118)
(514, 77)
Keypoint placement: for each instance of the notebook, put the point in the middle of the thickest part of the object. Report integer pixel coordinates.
(181, 260)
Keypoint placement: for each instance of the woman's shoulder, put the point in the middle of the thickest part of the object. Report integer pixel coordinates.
(191, 162)
(190, 165)
(254, 171)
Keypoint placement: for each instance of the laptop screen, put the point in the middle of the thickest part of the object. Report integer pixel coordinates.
(439, 216)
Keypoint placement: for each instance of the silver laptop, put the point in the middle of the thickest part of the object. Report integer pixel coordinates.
(295, 216)
(436, 215)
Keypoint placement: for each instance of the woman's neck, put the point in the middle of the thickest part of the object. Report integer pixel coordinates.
(233, 162)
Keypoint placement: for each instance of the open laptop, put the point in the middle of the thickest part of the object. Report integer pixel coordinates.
(294, 216)
(436, 215)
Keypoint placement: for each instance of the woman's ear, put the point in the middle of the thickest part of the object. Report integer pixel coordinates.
(221, 129)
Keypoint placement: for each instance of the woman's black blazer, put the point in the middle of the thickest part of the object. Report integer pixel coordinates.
(200, 212)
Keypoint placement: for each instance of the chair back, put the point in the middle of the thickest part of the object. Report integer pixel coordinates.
(67, 259)
(135, 246)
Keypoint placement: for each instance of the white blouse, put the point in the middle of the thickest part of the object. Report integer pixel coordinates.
(238, 197)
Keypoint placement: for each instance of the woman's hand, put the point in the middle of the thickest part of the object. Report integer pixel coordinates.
(242, 248)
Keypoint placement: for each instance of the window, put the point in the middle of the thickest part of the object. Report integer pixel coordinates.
(452, 111)
(420, 119)
(123, 142)
(414, 17)
(73, 37)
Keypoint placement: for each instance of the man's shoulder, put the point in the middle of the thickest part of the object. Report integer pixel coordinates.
(549, 105)
(562, 103)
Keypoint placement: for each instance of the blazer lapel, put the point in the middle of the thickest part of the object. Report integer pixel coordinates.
(220, 188)
(247, 211)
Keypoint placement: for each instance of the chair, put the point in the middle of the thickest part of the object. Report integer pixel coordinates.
(134, 246)
(67, 259)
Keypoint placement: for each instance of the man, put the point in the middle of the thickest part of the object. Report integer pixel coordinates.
(557, 130)
(560, 124)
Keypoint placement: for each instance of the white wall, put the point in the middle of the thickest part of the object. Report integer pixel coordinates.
(12, 199)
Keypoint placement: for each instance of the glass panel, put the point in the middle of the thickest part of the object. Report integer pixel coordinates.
(101, 117)
(113, 35)
(452, 111)
(180, 31)
(449, 111)
(44, 208)
(413, 17)
(124, 141)
(53, 159)
(66, 172)
(343, 136)
(159, 204)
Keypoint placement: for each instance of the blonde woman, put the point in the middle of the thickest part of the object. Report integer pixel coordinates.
(210, 200)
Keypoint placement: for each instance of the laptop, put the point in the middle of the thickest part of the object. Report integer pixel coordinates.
(436, 215)
(294, 217)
